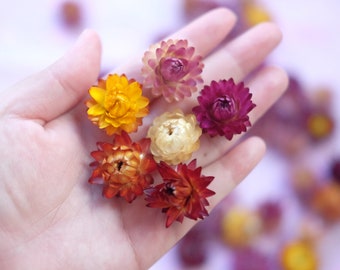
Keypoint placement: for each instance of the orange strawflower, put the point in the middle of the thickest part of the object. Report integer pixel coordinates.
(124, 167)
(117, 104)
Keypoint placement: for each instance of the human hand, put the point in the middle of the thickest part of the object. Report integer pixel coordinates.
(50, 217)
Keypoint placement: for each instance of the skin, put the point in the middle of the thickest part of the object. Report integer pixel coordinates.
(50, 217)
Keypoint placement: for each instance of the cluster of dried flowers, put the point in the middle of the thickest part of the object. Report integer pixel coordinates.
(126, 168)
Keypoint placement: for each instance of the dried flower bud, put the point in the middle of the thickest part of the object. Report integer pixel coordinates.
(223, 108)
(172, 69)
(117, 104)
(183, 192)
(174, 137)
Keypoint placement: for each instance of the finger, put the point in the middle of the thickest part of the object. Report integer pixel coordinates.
(235, 60)
(229, 171)
(61, 86)
(208, 31)
(205, 34)
(233, 167)
(267, 87)
(242, 55)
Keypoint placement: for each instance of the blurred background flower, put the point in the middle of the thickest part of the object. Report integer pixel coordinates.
(294, 190)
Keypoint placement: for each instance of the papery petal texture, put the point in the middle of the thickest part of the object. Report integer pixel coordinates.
(183, 192)
(117, 104)
(172, 69)
(223, 108)
(123, 167)
(174, 137)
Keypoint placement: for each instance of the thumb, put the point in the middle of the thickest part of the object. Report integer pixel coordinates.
(57, 89)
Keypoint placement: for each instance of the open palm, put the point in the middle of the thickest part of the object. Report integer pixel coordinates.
(50, 217)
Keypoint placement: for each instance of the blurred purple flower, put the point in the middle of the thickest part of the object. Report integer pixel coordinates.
(251, 259)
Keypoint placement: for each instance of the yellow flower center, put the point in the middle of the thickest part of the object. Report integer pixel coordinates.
(116, 103)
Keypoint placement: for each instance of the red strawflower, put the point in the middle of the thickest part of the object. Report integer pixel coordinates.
(182, 194)
(123, 167)
(223, 108)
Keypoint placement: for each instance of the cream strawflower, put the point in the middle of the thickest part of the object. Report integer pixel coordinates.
(174, 137)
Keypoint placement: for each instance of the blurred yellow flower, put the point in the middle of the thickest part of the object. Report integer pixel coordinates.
(240, 226)
(117, 104)
(174, 137)
(254, 13)
(299, 256)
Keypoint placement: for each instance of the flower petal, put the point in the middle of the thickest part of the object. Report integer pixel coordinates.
(117, 104)
(98, 94)
(223, 108)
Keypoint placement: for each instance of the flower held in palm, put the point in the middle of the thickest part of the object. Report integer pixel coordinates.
(172, 69)
(117, 104)
(223, 108)
(182, 194)
(174, 137)
(124, 167)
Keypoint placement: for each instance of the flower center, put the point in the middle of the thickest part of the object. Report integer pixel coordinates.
(169, 189)
(124, 162)
(173, 69)
(119, 165)
(117, 104)
(223, 108)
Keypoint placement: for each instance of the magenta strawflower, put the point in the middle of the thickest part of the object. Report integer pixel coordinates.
(172, 69)
(223, 108)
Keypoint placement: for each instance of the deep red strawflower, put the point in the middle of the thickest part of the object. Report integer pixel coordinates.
(123, 167)
(182, 194)
(223, 108)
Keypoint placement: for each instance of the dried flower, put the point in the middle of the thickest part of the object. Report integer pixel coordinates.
(249, 258)
(124, 167)
(299, 255)
(193, 248)
(320, 125)
(172, 69)
(240, 226)
(253, 13)
(117, 104)
(223, 108)
(326, 201)
(270, 213)
(174, 137)
(335, 170)
(182, 194)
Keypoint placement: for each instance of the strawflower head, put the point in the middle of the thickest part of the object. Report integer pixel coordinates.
(174, 137)
(223, 108)
(172, 69)
(117, 104)
(123, 167)
(183, 192)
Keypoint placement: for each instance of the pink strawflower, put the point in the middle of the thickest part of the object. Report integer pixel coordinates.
(172, 69)
(223, 108)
